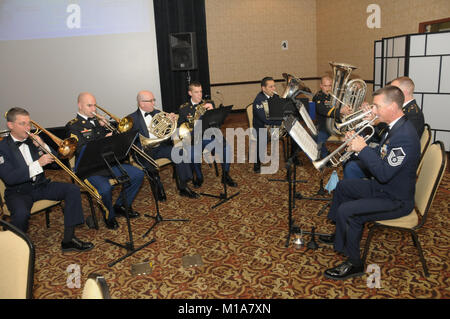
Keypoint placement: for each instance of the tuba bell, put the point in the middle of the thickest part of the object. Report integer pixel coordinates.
(344, 92)
(161, 126)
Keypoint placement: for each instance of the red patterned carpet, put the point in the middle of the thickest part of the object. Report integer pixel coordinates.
(242, 246)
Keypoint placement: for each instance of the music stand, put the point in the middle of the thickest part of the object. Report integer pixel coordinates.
(215, 118)
(105, 153)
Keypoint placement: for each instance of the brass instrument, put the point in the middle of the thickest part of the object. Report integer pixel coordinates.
(344, 92)
(294, 86)
(92, 191)
(124, 125)
(66, 148)
(161, 126)
(187, 127)
(337, 157)
(353, 121)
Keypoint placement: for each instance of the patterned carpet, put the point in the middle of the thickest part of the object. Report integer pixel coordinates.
(242, 246)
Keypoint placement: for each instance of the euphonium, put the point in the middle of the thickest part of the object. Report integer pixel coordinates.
(161, 126)
(344, 92)
(66, 148)
(124, 125)
(294, 86)
(338, 156)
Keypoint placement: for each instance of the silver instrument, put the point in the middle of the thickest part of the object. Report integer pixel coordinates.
(344, 92)
(339, 156)
(353, 121)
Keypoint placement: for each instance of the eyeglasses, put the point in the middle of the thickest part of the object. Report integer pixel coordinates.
(149, 101)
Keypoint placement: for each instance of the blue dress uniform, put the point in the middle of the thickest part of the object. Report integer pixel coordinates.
(163, 150)
(85, 131)
(22, 191)
(260, 121)
(390, 194)
(355, 169)
(188, 109)
(324, 110)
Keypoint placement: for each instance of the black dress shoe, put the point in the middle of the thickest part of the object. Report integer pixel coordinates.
(188, 193)
(228, 180)
(111, 223)
(344, 271)
(197, 182)
(327, 239)
(120, 211)
(76, 245)
(257, 168)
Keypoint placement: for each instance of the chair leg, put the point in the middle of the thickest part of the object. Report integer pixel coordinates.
(367, 245)
(419, 249)
(47, 217)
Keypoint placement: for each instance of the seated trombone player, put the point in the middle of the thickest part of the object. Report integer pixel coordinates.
(142, 118)
(88, 127)
(389, 195)
(23, 156)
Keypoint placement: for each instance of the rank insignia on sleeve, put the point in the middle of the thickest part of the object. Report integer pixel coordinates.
(396, 156)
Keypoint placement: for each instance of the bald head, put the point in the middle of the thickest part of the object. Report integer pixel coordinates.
(405, 84)
(146, 101)
(326, 84)
(86, 104)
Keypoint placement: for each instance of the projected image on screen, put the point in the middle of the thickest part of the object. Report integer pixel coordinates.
(37, 19)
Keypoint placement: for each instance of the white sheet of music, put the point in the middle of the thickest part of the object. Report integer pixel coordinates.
(309, 123)
(304, 140)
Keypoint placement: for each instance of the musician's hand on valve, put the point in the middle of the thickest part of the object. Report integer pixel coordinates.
(357, 144)
(208, 106)
(346, 110)
(45, 159)
(173, 116)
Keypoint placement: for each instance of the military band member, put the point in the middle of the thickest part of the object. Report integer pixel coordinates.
(260, 119)
(389, 195)
(325, 110)
(21, 169)
(85, 128)
(188, 110)
(141, 119)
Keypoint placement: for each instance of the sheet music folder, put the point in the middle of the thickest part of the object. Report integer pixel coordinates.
(215, 117)
(91, 160)
(280, 107)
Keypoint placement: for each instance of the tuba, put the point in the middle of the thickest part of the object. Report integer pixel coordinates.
(344, 92)
(161, 126)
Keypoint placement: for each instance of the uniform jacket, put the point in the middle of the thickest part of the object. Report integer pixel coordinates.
(415, 116)
(14, 170)
(259, 116)
(188, 109)
(394, 163)
(323, 109)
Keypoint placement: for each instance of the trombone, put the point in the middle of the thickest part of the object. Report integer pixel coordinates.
(92, 191)
(125, 124)
(66, 148)
(337, 157)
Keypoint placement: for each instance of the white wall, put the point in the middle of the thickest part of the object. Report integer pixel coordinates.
(45, 75)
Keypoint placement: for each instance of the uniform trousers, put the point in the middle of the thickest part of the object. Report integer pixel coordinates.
(355, 203)
(19, 204)
(104, 188)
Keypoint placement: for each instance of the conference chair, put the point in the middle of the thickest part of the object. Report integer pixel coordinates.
(424, 143)
(96, 288)
(430, 176)
(16, 263)
(38, 206)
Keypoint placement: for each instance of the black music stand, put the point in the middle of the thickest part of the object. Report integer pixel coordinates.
(154, 187)
(215, 118)
(105, 153)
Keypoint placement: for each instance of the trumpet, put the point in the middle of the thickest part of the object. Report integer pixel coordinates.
(124, 125)
(66, 148)
(92, 191)
(353, 121)
(338, 156)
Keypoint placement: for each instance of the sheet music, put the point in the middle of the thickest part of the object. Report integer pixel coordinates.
(302, 138)
(305, 115)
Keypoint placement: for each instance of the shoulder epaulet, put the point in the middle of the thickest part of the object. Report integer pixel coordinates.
(73, 121)
(184, 105)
